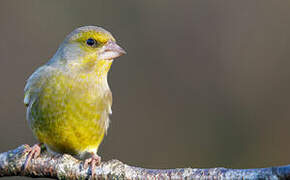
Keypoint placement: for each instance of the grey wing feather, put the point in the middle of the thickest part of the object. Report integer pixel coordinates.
(34, 83)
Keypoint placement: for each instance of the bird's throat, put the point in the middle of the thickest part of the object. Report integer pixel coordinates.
(88, 67)
(102, 67)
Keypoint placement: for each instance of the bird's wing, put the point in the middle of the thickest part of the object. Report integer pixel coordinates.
(35, 82)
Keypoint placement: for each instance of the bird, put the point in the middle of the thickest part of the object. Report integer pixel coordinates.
(68, 99)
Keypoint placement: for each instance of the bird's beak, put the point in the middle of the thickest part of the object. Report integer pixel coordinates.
(111, 50)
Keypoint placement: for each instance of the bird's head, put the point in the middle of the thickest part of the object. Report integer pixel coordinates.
(88, 45)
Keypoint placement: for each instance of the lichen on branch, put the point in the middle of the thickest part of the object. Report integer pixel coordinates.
(67, 167)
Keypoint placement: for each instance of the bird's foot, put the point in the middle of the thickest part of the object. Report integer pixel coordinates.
(93, 161)
(33, 152)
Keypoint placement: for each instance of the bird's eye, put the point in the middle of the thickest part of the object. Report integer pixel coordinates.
(92, 42)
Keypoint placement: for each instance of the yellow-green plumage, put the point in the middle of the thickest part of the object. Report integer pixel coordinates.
(70, 113)
(68, 99)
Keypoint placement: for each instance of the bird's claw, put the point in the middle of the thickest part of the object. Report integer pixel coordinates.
(93, 161)
(33, 152)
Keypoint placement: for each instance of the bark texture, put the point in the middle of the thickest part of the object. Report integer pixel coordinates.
(67, 167)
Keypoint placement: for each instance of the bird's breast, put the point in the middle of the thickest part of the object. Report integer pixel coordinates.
(71, 112)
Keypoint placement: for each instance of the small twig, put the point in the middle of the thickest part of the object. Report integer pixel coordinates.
(67, 167)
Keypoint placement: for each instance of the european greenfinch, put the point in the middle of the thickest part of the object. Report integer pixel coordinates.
(68, 99)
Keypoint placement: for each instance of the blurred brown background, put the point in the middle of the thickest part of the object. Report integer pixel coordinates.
(204, 84)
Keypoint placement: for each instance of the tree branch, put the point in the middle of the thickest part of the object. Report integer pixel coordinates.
(67, 167)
